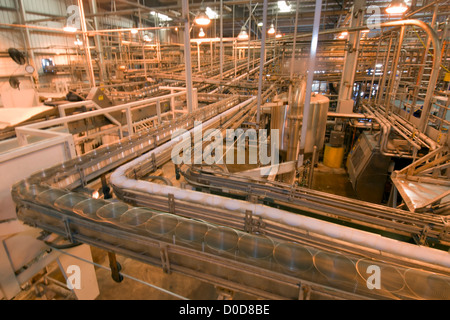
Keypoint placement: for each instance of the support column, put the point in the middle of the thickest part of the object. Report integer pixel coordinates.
(261, 65)
(187, 54)
(291, 69)
(221, 39)
(87, 50)
(98, 43)
(309, 81)
(345, 102)
(27, 39)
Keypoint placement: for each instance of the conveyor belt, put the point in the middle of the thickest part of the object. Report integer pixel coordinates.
(339, 209)
(273, 265)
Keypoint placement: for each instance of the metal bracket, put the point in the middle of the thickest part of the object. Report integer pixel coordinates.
(165, 259)
(253, 225)
(304, 292)
(153, 161)
(171, 200)
(421, 239)
(115, 267)
(224, 294)
(67, 229)
(446, 230)
(82, 177)
(252, 198)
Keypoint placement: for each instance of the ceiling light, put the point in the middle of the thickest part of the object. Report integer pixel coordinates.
(70, 29)
(160, 16)
(283, 6)
(134, 31)
(243, 35)
(343, 35)
(78, 42)
(271, 29)
(147, 38)
(201, 34)
(278, 35)
(397, 7)
(202, 19)
(260, 24)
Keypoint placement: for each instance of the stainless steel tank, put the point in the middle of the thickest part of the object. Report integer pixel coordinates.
(317, 122)
(290, 120)
(295, 119)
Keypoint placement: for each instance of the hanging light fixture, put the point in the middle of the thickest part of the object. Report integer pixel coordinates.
(134, 31)
(147, 38)
(278, 35)
(397, 7)
(243, 35)
(271, 29)
(78, 42)
(202, 18)
(201, 34)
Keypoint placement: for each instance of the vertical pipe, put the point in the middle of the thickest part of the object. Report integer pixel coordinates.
(211, 53)
(158, 111)
(249, 36)
(187, 54)
(291, 71)
(390, 89)
(198, 56)
(311, 170)
(221, 39)
(261, 65)
(374, 69)
(87, 49)
(424, 59)
(235, 57)
(143, 49)
(129, 118)
(385, 71)
(98, 41)
(234, 48)
(27, 40)
(309, 80)
(351, 59)
(172, 104)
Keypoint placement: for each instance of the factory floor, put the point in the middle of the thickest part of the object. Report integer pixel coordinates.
(330, 180)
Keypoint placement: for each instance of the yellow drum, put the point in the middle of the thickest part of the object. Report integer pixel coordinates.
(333, 156)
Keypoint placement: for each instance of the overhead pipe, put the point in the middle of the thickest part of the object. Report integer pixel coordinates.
(436, 56)
(386, 128)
